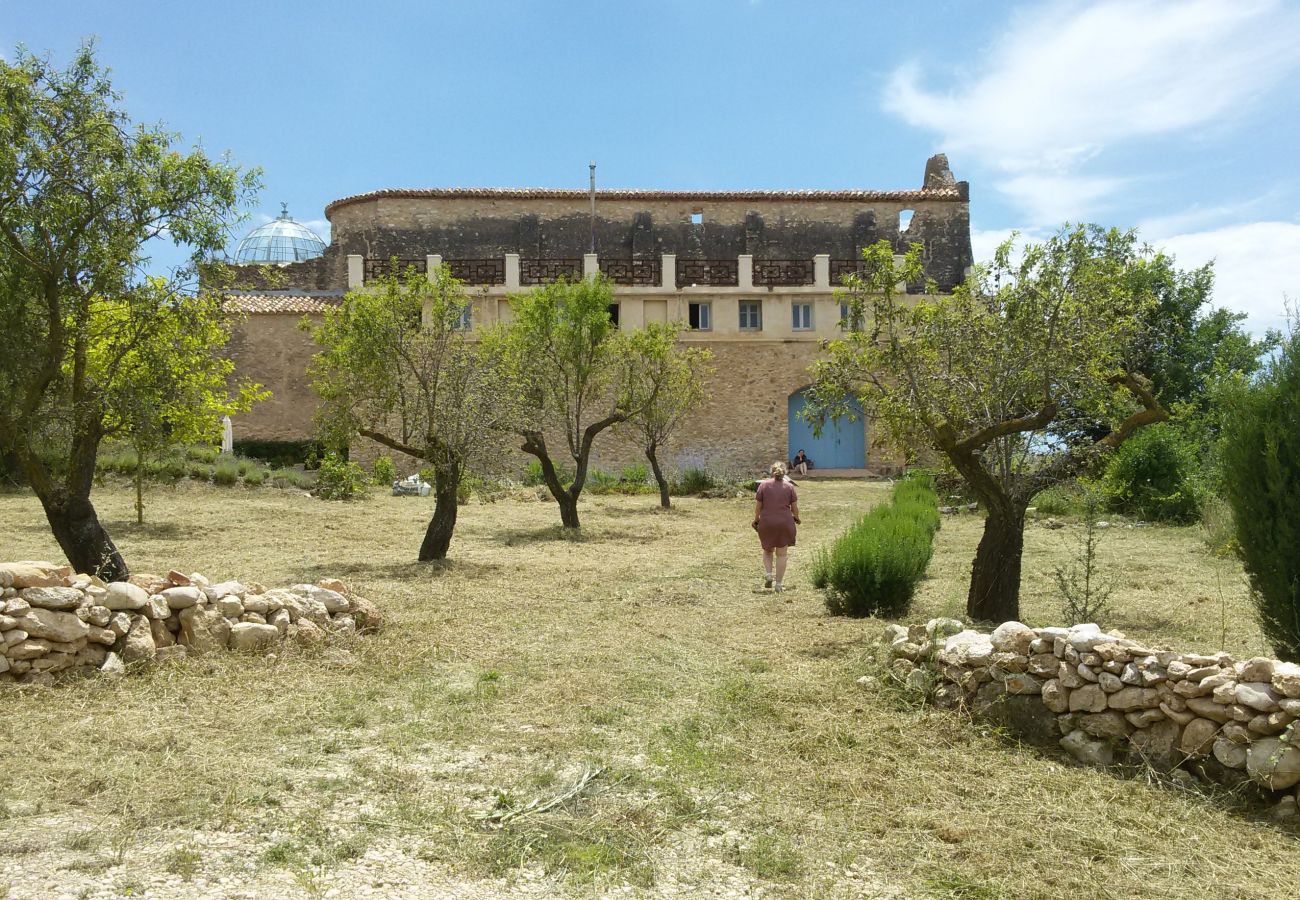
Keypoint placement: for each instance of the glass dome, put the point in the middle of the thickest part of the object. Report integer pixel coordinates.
(282, 241)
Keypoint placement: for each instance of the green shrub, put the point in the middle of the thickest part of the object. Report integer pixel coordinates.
(383, 471)
(119, 461)
(1058, 500)
(873, 568)
(278, 454)
(292, 478)
(692, 481)
(339, 479)
(1220, 530)
(1156, 475)
(225, 472)
(533, 473)
(176, 467)
(1260, 452)
(256, 476)
(201, 453)
(635, 474)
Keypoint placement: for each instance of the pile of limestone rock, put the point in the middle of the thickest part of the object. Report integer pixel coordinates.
(54, 620)
(1105, 699)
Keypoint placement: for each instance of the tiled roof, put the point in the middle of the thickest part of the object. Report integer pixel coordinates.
(281, 303)
(955, 193)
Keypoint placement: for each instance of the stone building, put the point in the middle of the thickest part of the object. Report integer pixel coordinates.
(752, 274)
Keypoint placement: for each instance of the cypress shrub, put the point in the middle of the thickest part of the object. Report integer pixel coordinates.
(873, 568)
(1260, 453)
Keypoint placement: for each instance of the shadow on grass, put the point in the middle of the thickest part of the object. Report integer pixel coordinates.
(158, 531)
(412, 570)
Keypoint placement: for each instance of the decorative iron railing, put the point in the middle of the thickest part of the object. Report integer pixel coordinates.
(635, 272)
(545, 271)
(842, 267)
(380, 267)
(783, 272)
(712, 272)
(477, 271)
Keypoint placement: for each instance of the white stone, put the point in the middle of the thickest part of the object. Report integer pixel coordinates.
(53, 625)
(1274, 764)
(121, 595)
(336, 603)
(1086, 636)
(1286, 679)
(139, 645)
(1256, 695)
(250, 636)
(1012, 637)
(112, 667)
(966, 648)
(52, 597)
(230, 607)
(1086, 750)
(184, 596)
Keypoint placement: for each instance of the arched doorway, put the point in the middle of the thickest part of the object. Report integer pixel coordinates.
(841, 445)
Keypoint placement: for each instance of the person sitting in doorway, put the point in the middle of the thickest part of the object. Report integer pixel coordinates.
(800, 463)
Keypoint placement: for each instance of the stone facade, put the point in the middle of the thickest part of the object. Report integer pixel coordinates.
(765, 330)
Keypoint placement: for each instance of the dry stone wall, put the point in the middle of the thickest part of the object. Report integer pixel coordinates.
(53, 620)
(1103, 698)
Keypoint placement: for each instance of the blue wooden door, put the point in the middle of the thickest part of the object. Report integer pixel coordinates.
(841, 445)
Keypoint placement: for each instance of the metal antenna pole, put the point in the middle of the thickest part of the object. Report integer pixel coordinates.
(592, 167)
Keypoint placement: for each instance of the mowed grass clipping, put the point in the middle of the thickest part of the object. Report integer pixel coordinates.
(734, 747)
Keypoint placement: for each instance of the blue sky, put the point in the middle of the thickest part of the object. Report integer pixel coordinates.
(1179, 118)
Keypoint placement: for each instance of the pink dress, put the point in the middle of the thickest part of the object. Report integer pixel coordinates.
(775, 519)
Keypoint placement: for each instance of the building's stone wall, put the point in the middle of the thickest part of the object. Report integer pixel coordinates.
(1104, 698)
(53, 620)
(272, 350)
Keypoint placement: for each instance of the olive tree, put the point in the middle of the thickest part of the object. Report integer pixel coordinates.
(666, 384)
(574, 363)
(82, 193)
(398, 365)
(1000, 376)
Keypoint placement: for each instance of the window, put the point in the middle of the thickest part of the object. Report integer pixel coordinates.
(465, 320)
(751, 315)
(700, 316)
(802, 316)
(849, 321)
(697, 217)
(905, 219)
(613, 314)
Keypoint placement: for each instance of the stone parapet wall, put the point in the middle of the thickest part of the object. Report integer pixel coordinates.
(53, 620)
(1105, 699)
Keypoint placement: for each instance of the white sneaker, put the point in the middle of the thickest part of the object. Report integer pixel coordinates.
(778, 587)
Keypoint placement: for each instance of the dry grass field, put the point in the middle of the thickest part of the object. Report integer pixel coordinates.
(735, 754)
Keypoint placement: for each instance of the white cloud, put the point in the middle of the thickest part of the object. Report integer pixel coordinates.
(1256, 266)
(1069, 80)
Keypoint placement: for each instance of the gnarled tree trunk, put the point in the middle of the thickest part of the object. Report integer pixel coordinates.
(437, 537)
(995, 577)
(650, 454)
(84, 541)
(71, 515)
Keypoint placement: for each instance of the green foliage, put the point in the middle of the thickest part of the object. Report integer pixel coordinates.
(574, 370)
(202, 453)
(383, 472)
(874, 567)
(339, 479)
(1260, 453)
(177, 467)
(256, 476)
(634, 474)
(1156, 475)
(1058, 500)
(226, 472)
(1007, 376)
(279, 454)
(292, 478)
(94, 351)
(1082, 590)
(693, 481)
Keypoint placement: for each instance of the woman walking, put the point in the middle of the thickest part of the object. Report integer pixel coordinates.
(776, 513)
